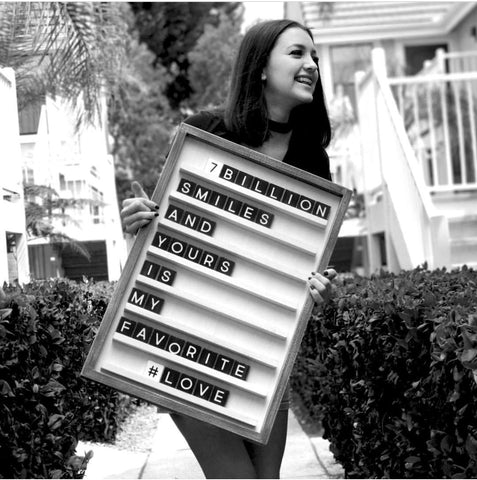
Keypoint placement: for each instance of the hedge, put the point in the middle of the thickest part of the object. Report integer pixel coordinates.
(46, 329)
(386, 367)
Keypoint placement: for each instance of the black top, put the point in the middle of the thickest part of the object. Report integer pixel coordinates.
(302, 153)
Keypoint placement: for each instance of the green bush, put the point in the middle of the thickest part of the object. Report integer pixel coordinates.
(46, 329)
(387, 367)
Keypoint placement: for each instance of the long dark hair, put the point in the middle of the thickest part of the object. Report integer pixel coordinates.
(246, 113)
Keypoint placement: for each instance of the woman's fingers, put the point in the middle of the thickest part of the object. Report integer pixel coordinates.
(139, 211)
(132, 223)
(330, 273)
(137, 190)
(320, 285)
(135, 226)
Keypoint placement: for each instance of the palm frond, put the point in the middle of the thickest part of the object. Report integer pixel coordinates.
(70, 49)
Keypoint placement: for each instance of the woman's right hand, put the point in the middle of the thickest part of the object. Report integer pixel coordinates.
(137, 211)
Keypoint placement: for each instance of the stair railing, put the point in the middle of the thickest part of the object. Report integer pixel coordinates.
(415, 232)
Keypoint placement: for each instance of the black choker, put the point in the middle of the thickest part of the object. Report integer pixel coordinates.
(279, 127)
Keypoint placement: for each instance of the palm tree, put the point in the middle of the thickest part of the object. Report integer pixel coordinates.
(70, 49)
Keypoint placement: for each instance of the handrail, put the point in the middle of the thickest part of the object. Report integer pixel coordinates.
(436, 77)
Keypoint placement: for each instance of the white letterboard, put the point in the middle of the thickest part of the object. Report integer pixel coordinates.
(209, 312)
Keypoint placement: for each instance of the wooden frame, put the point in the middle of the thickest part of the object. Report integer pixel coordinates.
(210, 310)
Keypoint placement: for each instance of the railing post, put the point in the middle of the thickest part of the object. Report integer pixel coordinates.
(440, 60)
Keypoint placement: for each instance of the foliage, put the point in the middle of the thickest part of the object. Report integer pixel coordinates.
(70, 49)
(139, 118)
(171, 30)
(387, 366)
(211, 62)
(46, 329)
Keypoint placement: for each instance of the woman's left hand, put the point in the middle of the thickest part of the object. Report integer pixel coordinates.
(320, 285)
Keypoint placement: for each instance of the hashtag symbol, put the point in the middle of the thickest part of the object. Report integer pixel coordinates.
(153, 371)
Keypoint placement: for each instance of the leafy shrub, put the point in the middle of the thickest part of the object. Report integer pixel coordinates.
(46, 329)
(387, 367)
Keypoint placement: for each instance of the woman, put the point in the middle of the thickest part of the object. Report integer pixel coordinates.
(275, 106)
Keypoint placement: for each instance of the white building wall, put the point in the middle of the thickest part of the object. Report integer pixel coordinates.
(464, 37)
(13, 265)
(81, 158)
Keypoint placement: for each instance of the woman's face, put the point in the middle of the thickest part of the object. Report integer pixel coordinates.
(291, 72)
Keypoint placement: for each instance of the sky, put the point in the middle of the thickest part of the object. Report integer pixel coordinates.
(261, 11)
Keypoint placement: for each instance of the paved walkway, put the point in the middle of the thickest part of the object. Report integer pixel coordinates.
(170, 457)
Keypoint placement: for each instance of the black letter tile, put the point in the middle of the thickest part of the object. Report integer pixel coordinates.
(170, 377)
(167, 276)
(305, 204)
(217, 200)
(219, 396)
(175, 345)
(191, 351)
(207, 358)
(150, 269)
(142, 333)
(244, 179)
(203, 390)
(225, 266)
(161, 241)
(186, 187)
(233, 206)
(224, 364)
(209, 260)
(159, 339)
(154, 304)
(126, 327)
(259, 186)
(229, 173)
(138, 297)
(174, 214)
(240, 370)
(186, 383)
(275, 192)
(206, 226)
(177, 247)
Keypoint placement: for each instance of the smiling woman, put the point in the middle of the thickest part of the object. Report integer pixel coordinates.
(275, 106)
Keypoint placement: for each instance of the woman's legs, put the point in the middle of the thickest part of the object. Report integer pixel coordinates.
(267, 459)
(222, 454)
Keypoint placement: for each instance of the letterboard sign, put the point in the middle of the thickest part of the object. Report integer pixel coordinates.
(209, 312)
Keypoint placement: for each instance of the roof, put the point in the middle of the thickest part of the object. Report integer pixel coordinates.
(336, 22)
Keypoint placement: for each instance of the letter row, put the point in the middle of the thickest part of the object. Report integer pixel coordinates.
(193, 253)
(158, 272)
(146, 300)
(275, 192)
(183, 348)
(190, 220)
(224, 202)
(194, 386)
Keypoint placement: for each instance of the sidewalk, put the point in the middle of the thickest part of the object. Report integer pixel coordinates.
(170, 457)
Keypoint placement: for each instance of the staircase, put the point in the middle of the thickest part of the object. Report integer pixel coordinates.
(419, 148)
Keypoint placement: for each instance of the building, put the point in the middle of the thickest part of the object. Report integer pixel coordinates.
(77, 165)
(408, 72)
(13, 244)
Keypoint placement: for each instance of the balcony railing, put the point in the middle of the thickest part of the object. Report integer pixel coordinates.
(439, 111)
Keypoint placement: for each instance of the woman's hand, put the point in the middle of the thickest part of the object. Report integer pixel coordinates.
(137, 211)
(320, 285)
